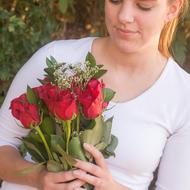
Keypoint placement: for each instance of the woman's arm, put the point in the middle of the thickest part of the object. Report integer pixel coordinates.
(174, 169)
(12, 162)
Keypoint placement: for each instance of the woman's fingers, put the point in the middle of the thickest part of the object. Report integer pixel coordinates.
(87, 177)
(97, 170)
(61, 177)
(71, 185)
(59, 181)
(99, 159)
(75, 184)
(89, 167)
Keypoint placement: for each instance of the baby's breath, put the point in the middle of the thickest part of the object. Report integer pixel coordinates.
(78, 73)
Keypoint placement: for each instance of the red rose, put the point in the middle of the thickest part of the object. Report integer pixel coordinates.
(48, 93)
(61, 103)
(91, 99)
(26, 113)
(65, 105)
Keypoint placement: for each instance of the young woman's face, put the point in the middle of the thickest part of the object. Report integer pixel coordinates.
(135, 24)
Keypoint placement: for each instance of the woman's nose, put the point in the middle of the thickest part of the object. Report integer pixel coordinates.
(126, 13)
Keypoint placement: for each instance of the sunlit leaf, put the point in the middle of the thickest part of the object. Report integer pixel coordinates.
(91, 59)
(31, 169)
(31, 96)
(75, 149)
(53, 166)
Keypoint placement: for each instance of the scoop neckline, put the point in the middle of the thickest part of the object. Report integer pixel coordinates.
(147, 91)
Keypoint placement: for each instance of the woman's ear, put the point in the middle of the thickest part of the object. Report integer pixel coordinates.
(173, 10)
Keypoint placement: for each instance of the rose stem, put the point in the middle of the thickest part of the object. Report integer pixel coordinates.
(68, 129)
(45, 142)
(78, 123)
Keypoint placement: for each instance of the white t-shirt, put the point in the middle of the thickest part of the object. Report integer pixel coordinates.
(153, 127)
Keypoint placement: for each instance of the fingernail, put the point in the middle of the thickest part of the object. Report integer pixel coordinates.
(76, 172)
(86, 145)
(76, 163)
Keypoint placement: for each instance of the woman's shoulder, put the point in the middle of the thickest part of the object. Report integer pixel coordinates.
(69, 50)
(73, 42)
(175, 95)
(179, 75)
(72, 50)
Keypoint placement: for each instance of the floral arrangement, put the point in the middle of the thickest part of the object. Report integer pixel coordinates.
(65, 112)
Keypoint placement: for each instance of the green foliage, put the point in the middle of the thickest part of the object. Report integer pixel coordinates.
(181, 43)
(24, 27)
(27, 25)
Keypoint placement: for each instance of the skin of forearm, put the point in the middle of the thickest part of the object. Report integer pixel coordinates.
(124, 188)
(11, 163)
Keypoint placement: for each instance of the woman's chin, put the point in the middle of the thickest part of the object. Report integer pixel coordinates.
(127, 48)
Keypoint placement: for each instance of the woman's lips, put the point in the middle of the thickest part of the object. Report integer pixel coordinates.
(126, 32)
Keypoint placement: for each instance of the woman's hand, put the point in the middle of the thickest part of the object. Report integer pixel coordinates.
(97, 175)
(59, 181)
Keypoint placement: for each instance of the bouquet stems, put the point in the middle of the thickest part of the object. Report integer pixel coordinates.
(78, 123)
(68, 133)
(37, 128)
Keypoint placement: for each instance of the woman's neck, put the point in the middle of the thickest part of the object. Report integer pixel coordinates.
(146, 59)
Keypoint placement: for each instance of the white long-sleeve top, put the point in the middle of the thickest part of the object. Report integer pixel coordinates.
(152, 128)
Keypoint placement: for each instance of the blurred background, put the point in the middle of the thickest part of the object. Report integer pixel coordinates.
(26, 25)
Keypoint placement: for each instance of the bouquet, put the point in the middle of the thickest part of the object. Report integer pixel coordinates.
(64, 112)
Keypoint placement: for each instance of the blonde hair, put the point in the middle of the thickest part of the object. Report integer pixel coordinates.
(169, 29)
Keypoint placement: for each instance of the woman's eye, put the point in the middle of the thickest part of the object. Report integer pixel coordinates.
(144, 7)
(115, 1)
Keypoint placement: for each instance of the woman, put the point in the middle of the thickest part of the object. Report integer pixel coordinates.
(150, 110)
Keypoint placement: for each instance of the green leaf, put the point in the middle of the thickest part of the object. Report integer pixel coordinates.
(48, 126)
(86, 123)
(42, 81)
(53, 60)
(91, 124)
(34, 148)
(91, 59)
(109, 151)
(99, 74)
(100, 66)
(75, 149)
(56, 157)
(108, 94)
(70, 160)
(49, 71)
(93, 136)
(101, 146)
(88, 187)
(33, 136)
(53, 166)
(107, 131)
(22, 150)
(64, 164)
(63, 5)
(34, 168)
(49, 62)
(31, 96)
(57, 140)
